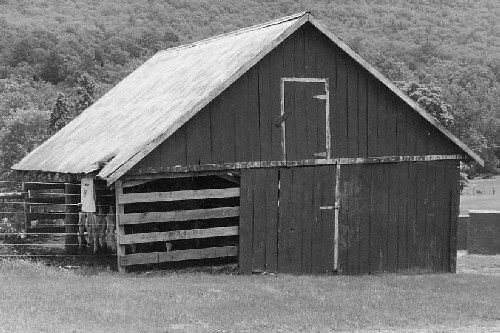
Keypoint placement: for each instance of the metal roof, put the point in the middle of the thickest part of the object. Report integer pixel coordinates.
(150, 104)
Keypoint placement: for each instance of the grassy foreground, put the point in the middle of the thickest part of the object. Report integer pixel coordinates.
(38, 298)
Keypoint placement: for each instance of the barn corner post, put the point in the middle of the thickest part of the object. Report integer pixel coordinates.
(120, 229)
(455, 212)
(72, 199)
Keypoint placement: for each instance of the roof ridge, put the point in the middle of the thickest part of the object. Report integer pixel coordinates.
(236, 32)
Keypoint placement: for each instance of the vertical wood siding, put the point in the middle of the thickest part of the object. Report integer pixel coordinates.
(295, 236)
(398, 217)
(366, 118)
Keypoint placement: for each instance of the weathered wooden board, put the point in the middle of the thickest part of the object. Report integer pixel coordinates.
(446, 214)
(353, 98)
(313, 105)
(198, 138)
(411, 234)
(259, 221)
(299, 187)
(299, 116)
(382, 144)
(222, 128)
(180, 255)
(175, 151)
(180, 215)
(306, 211)
(264, 110)
(402, 217)
(253, 124)
(285, 217)
(391, 134)
(430, 232)
(324, 232)
(271, 208)
(340, 115)
(372, 128)
(350, 205)
(274, 102)
(441, 198)
(454, 185)
(178, 234)
(377, 222)
(317, 227)
(246, 221)
(421, 215)
(344, 220)
(363, 209)
(120, 228)
(362, 130)
(207, 169)
(179, 195)
(401, 128)
(392, 218)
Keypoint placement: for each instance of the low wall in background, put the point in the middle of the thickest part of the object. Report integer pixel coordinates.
(484, 232)
(462, 232)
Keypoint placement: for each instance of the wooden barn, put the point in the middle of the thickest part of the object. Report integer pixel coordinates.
(277, 144)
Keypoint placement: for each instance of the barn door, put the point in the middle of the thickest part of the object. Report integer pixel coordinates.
(287, 220)
(304, 120)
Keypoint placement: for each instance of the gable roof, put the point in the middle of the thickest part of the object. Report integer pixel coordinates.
(150, 104)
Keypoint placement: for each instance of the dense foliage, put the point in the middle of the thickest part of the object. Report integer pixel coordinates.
(58, 56)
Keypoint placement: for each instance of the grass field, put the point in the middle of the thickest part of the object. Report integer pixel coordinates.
(479, 195)
(38, 298)
(35, 297)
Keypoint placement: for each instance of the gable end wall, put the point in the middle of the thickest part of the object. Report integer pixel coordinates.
(366, 118)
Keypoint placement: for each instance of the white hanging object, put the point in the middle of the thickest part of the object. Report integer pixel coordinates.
(88, 195)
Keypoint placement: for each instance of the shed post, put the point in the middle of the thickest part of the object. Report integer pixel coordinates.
(71, 192)
(120, 229)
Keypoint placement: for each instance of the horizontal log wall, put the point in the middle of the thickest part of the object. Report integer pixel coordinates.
(366, 118)
(172, 219)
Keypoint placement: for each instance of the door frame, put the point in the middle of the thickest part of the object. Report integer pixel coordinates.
(326, 97)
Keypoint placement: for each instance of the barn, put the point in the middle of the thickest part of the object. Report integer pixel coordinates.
(276, 144)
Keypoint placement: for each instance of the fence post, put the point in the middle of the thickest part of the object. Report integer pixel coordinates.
(71, 192)
(26, 208)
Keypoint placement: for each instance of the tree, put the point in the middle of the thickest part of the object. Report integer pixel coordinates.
(86, 92)
(430, 98)
(53, 68)
(21, 134)
(60, 114)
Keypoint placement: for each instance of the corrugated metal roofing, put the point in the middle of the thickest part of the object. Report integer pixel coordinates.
(165, 92)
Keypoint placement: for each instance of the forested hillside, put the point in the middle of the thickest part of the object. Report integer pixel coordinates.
(58, 56)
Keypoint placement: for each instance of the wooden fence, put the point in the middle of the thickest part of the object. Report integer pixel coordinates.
(41, 201)
(174, 224)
